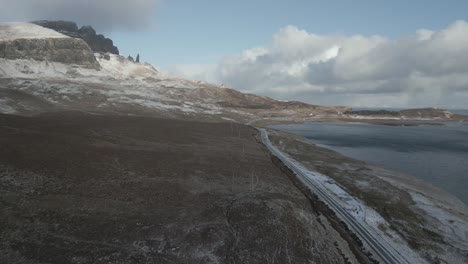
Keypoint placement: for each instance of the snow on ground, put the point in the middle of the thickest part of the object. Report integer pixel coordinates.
(32, 69)
(374, 117)
(178, 83)
(444, 213)
(118, 77)
(21, 30)
(212, 112)
(454, 228)
(142, 92)
(120, 68)
(152, 104)
(5, 107)
(118, 80)
(366, 215)
(448, 114)
(116, 68)
(359, 117)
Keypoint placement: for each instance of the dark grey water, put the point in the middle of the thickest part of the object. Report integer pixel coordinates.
(455, 111)
(459, 111)
(437, 154)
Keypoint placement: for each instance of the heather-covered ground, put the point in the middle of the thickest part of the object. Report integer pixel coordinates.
(80, 188)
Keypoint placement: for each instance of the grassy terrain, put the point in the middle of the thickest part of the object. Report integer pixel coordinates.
(78, 188)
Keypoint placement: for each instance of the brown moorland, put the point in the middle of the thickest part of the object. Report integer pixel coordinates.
(81, 188)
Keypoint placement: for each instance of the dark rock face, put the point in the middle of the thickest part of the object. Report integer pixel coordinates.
(63, 50)
(97, 42)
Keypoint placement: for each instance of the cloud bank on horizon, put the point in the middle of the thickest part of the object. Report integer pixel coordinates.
(428, 68)
(104, 15)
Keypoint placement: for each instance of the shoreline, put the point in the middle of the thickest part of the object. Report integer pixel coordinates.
(376, 122)
(380, 163)
(267, 121)
(436, 220)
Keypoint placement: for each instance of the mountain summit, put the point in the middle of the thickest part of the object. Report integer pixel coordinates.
(97, 42)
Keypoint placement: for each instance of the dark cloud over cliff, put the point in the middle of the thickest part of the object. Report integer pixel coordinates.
(104, 15)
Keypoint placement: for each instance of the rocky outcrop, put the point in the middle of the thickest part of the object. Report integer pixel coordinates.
(97, 42)
(63, 50)
(426, 113)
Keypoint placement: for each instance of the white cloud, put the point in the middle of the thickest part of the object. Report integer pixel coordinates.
(104, 15)
(427, 68)
(192, 71)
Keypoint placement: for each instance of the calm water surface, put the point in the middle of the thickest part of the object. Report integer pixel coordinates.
(437, 154)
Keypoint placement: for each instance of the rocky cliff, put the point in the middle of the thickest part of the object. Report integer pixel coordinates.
(97, 42)
(17, 43)
(66, 50)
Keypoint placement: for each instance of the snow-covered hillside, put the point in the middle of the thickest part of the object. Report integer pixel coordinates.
(20, 30)
(123, 86)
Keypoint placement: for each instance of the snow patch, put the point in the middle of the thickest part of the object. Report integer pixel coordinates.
(20, 30)
(5, 108)
(374, 117)
(151, 104)
(454, 228)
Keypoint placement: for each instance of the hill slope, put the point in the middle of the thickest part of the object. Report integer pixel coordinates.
(122, 86)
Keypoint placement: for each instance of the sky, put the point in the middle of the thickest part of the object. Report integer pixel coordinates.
(363, 53)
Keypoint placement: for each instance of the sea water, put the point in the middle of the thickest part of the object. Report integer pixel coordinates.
(436, 154)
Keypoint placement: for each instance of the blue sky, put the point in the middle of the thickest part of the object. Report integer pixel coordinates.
(201, 32)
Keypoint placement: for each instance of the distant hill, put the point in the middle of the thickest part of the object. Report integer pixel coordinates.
(406, 114)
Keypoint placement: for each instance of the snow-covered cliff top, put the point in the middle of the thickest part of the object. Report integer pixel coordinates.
(114, 67)
(21, 30)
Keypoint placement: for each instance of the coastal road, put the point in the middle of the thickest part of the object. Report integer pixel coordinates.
(381, 249)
